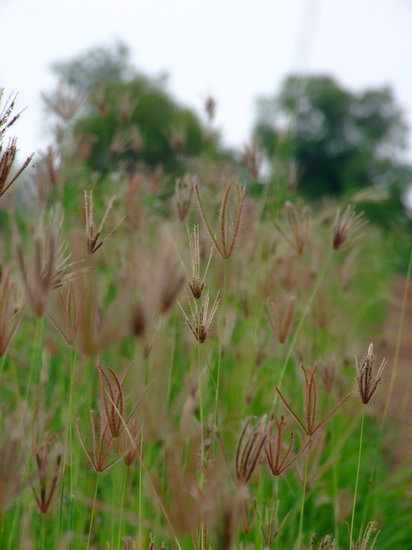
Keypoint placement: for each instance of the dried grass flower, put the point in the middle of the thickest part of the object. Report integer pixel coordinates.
(7, 158)
(368, 381)
(184, 195)
(11, 309)
(196, 282)
(346, 227)
(367, 539)
(249, 448)
(309, 424)
(228, 229)
(8, 152)
(50, 267)
(13, 454)
(103, 444)
(298, 219)
(281, 315)
(48, 458)
(326, 543)
(200, 317)
(65, 102)
(277, 460)
(252, 158)
(94, 239)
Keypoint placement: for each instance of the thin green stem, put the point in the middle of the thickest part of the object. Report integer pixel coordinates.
(335, 488)
(201, 412)
(222, 331)
(93, 509)
(125, 479)
(308, 306)
(3, 361)
(357, 478)
(302, 507)
(398, 338)
(38, 340)
(393, 373)
(141, 486)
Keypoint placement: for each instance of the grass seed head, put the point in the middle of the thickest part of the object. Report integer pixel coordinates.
(367, 379)
(49, 268)
(346, 227)
(309, 424)
(298, 219)
(249, 448)
(228, 231)
(48, 459)
(184, 195)
(200, 317)
(274, 444)
(281, 315)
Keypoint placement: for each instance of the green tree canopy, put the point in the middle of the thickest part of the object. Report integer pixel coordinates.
(131, 119)
(341, 141)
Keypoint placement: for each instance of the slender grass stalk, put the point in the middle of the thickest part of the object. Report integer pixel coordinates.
(222, 331)
(308, 306)
(93, 509)
(302, 507)
(125, 480)
(43, 531)
(357, 477)
(69, 439)
(394, 371)
(38, 341)
(335, 489)
(140, 498)
(3, 361)
(201, 411)
(398, 338)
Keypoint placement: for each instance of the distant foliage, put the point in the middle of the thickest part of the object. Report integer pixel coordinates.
(341, 141)
(130, 118)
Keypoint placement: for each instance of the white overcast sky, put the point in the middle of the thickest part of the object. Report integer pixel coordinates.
(236, 50)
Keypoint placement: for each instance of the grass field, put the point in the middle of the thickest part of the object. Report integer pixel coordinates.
(178, 368)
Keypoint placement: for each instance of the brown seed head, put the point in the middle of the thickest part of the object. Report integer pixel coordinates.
(277, 463)
(48, 459)
(200, 317)
(327, 543)
(367, 380)
(11, 310)
(309, 424)
(228, 231)
(50, 267)
(250, 445)
(281, 315)
(94, 240)
(346, 226)
(65, 102)
(298, 219)
(184, 195)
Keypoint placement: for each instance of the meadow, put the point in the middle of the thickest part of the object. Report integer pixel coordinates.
(195, 364)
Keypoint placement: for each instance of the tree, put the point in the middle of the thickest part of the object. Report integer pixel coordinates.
(129, 118)
(341, 141)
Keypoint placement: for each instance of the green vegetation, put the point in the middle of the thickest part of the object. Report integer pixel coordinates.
(178, 357)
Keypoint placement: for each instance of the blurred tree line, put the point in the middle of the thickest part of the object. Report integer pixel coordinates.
(339, 143)
(130, 119)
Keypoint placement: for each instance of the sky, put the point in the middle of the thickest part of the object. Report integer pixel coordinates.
(236, 50)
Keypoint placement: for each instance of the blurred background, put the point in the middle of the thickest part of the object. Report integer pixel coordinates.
(317, 92)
